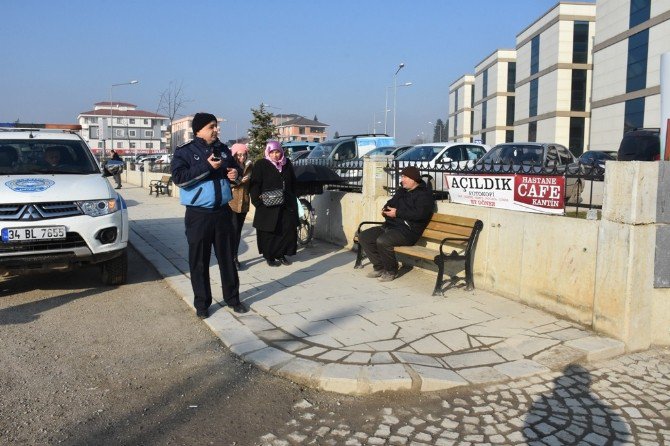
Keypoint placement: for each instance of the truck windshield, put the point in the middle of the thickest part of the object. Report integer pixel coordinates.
(322, 151)
(46, 157)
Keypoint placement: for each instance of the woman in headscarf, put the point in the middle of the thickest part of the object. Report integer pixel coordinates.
(276, 224)
(240, 202)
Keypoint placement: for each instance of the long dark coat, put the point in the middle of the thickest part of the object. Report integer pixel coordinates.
(265, 177)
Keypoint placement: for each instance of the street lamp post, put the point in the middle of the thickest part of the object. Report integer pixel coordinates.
(111, 116)
(386, 102)
(395, 93)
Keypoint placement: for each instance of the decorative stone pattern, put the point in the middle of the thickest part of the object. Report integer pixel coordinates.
(624, 401)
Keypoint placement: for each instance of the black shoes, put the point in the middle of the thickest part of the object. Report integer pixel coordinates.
(273, 262)
(239, 308)
(202, 314)
(284, 261)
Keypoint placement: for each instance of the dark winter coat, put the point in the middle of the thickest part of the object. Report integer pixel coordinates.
(266, 177)
(414, 208)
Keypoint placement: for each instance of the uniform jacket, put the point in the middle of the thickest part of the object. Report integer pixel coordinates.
(191, 168)
(266, 177)
(414, 209)
(240, 201)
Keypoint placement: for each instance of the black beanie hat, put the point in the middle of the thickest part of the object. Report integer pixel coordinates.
(200, 120)
(412, 172)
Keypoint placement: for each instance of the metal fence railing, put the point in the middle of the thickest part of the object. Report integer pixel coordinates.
(349, 174)
(577, 178)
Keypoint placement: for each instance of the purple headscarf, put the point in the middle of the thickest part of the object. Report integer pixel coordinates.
(272, 146)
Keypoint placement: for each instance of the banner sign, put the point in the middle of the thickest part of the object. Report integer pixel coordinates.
(518, 192)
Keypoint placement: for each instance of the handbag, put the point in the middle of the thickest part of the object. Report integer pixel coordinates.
(273, 197)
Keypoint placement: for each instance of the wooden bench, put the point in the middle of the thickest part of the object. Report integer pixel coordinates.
(161, 186)
(450, 231)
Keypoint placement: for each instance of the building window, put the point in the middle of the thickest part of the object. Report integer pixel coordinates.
(483, 138)
(301, 130)
(511, 76)
(455, 112)
(472, 95)
(578, 94)
(636, 72)
(132, 145)
(485, 82)
(472, 123)
(101, 144)
(639, 12)
(535, 55)
(580, 42)
(131, 121)
(131, 133)
(532, 102)
(149, 145)
(509, 119)
(576, 138)
(119, 145)
(532, 131)
(484, 111)
(509, 136)
(93, 132)
(118, 132)
(149, 133)
(146, 122)
(119, 120)
(634, 114)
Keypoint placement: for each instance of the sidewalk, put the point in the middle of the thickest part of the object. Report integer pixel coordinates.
(321, 323)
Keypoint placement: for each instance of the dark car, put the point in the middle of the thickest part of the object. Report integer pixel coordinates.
(394, 151)
(298, 155)
(597, 158)
(640, 145)
(534, 157)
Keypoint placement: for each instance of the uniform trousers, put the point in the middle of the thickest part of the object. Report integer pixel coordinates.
(204, 230)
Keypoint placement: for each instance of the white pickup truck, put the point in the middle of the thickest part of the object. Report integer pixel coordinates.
(57, 209)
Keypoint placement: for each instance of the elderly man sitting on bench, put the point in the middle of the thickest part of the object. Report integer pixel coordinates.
(406, 215)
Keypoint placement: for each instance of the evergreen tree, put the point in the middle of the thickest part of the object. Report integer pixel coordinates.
(439, 133)
(316, 119)
(337, 135)
(261, 131)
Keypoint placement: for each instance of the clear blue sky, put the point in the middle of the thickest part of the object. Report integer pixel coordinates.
(330, 59)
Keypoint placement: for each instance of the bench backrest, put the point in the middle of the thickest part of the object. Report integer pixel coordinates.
(442, 226)
(166, 179)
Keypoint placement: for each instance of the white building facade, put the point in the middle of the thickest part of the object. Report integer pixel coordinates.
(461, 109)
(553, 77)
(630, 38)
(131, 132)
(495, 79)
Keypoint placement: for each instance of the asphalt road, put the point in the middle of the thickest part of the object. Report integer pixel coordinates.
(83, 364)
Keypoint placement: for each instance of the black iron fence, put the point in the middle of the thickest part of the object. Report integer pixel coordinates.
(578, 178)
(349, 174)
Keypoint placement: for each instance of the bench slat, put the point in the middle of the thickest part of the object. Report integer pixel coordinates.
(464, 231)
(454, 219)
(437, 236)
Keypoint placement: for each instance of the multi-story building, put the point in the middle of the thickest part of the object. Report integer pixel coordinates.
(132, 131)
(461, 109)
(630, 38)
(553, 77)
(494, 98)
(293, 127)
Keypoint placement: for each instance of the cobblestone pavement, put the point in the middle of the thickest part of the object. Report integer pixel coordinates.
(620, 401)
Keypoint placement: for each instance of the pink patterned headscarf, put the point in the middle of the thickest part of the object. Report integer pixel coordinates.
(272, 146)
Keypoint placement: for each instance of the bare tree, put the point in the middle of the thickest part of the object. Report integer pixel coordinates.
(172, 100)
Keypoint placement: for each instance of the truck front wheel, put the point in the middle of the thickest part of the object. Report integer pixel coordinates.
(115, 271)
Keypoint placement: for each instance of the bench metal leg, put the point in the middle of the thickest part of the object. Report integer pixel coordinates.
(469, 282)
(440, 274)
(359, 257)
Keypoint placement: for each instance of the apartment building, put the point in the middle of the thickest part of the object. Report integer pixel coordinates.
(631, 36)
(553, 77)
(495, 78)
(131, 131)
(292, 127)
(461, 109)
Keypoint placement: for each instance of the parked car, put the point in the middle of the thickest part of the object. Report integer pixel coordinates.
(430, 157)
(297, 146)
(640, 145)
(352, 170)
(298, 155)
(593, 162)
(346, 148)
(394, 151)
(534, 157)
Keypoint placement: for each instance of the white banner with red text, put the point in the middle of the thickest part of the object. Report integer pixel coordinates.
(519, 192)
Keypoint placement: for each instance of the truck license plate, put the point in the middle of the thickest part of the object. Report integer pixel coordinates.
(29, 234)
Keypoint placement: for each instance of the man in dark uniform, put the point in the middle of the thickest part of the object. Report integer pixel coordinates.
(406, 215)
(202, 168)
(117, 171)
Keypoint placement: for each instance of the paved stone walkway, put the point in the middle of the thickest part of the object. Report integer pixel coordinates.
(324, 324)
(625, 401)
